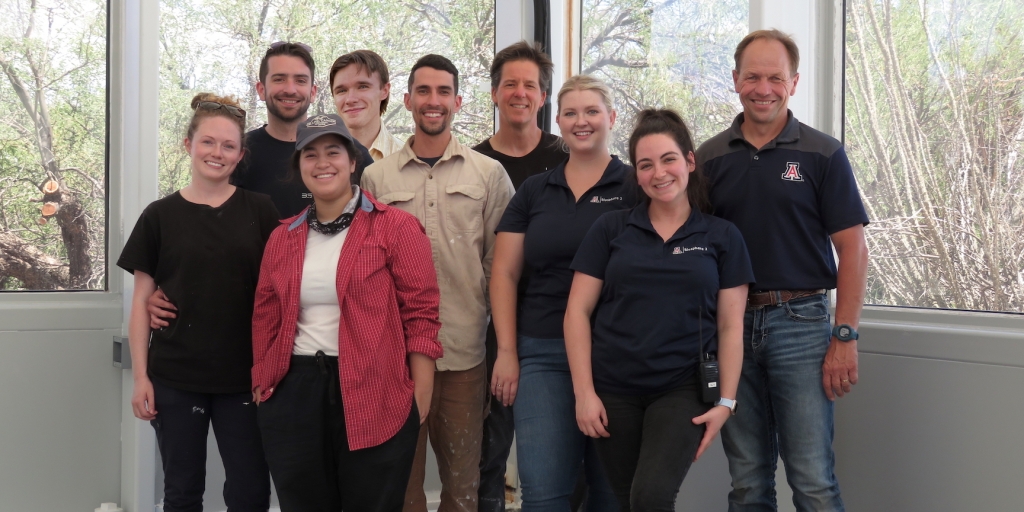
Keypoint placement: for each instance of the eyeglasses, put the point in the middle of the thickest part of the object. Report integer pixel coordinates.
(214, 105)
(278, 44)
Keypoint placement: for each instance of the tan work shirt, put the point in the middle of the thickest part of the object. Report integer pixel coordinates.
(384, 145)
(459, 201)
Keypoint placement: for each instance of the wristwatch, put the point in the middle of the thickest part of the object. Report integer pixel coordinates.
(843, 332)
(727, 402)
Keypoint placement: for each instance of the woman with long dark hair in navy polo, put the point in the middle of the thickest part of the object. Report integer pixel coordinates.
(541, 229)
(655, 287)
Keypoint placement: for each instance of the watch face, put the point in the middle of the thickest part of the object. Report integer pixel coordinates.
(844, 332)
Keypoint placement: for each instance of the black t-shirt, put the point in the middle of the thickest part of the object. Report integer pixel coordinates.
(430, 161)
(207, 261)
(549, 153)
(265, 170)
(555, 223)
(659, 299)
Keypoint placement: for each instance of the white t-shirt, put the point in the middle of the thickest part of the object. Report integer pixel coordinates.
(319, 312)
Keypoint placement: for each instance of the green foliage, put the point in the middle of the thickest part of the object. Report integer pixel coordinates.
(934, 129)
(217, 46)
(56, 51)
(665, 53)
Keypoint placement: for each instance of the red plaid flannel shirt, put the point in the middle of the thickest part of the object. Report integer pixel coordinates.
(388, 295)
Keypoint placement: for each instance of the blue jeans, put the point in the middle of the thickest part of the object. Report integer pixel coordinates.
(782, 407)
(549, 445)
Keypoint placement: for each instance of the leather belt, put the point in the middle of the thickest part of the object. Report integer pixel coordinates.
(776, 297)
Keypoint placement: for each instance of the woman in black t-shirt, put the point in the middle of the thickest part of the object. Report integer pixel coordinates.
(655, 287)
(202, 245)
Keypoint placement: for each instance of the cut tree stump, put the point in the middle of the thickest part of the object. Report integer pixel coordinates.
(49, 209)
(51, 186)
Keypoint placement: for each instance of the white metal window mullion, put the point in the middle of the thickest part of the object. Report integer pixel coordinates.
(135, 133)
(798, 18)
(565, 46)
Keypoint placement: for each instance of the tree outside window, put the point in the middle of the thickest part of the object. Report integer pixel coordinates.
(665, 53)
(216, 46)
(934, 127)
(53, 144)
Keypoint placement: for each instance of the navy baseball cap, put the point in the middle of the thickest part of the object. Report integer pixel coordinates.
(319, 125)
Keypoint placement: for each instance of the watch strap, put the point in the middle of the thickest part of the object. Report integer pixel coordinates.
(845, 332)
(728, 403)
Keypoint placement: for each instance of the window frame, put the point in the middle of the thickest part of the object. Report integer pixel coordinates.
(28, 310)
(832, 36)
(819, 27)
(17, 300)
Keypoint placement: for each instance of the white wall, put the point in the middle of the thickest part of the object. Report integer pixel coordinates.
(59, 404)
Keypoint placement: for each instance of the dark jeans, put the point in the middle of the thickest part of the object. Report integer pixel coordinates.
(307, 446)
(499, 430)
(651, 445)
(182, 425)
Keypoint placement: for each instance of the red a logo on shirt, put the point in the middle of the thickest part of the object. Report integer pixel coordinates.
(792, 172)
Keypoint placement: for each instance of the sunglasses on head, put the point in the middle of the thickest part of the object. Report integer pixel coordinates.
(278, 44)
(214, 105)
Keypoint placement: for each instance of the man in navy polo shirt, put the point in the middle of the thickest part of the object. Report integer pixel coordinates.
(791, 192)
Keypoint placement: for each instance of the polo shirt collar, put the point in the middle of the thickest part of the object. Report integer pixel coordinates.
(789, 134)
(615, 172)
(640, 218)
(452, 150)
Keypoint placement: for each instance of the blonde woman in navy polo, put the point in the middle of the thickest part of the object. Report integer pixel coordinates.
(541, 229)
(654, 287)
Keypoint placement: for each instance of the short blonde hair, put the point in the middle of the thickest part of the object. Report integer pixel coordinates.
(587, 83)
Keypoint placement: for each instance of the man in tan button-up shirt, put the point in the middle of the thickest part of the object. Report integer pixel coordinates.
(459, 195)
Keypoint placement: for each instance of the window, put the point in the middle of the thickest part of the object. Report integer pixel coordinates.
(665, 53)
(934, 127)
(53, 137)
(216, 46)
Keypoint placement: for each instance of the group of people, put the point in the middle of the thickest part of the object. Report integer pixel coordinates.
(387, 293)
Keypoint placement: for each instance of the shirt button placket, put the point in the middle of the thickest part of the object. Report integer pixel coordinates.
(430, 216)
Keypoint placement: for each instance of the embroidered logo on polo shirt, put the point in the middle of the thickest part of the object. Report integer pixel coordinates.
(792, 172)
(683, 250)
(599, 199)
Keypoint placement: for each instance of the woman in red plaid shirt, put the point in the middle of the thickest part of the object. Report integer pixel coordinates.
(344, 338)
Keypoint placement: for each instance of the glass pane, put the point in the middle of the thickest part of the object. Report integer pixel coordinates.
(934, 126)
(209, 45)
(53, 136)
(665, 53)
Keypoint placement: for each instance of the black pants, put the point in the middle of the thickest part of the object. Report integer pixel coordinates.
(651, 445)
(182, 425)
(499, 431)
(306, 442)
